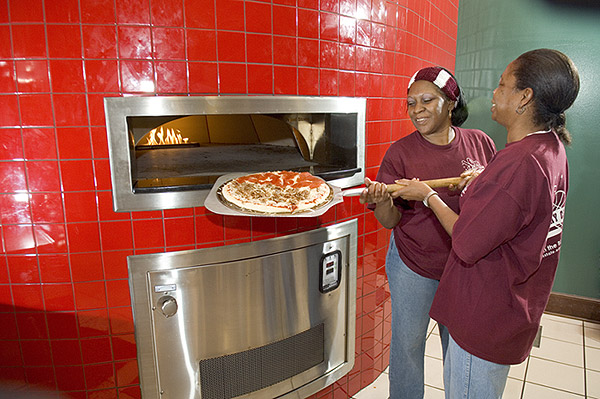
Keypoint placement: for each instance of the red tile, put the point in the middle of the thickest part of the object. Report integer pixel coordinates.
(5, 41)
(93, 323)
(62, 325)
(23, 269)
(102, 175)
(58, 297)
(308, 24)
(168, 43)
(127, 373)
(77, 175)
(67, 11)
(27, 297)
(258, 17)
(284, 50)
(99, 41)
(97, 11)
(124, 347)
(86, 266)
(201, 45)
(118, 293)
(19, 239)
(64, 41)
(129, 12)
(11, 354)
(329, 26)
(39, 144)
(105, 208)
(308, 81)
(308, 52)
(135, 42)
(54, 268)
(137, 76)
(115, 264)
(230, 15)
(231, 46)
(15, 209)
(96, 350)
(260, 48)
(179, 231)
(36, 109)
(130, 392)
(260, 79)
(41, 377)
(171, 77)
(32, 76)
(200, 15)
(70, 378)
(83, 237)
(329, 83)
(329, 54)
(10, 114)
(12, 146)
(29, 41)
(70, 109)
(102, 75)
(285, 80)
(99, 142)
(31, 11)
(98, 376)
(73, 143)
(232, 78)
(116, 235)
(121, 320)
(236, 227)
(90, 295)
(36, 352)
(284, 20)
(9, 327)
(32, 325)
(148, 233)
(167, 12)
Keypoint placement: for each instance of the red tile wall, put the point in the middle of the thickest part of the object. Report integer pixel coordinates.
(64, 298)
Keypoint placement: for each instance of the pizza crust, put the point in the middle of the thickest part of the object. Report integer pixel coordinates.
(279, 192)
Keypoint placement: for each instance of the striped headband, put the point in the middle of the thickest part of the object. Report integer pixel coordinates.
(439, 77)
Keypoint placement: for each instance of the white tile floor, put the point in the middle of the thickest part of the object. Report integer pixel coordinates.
(565, 366)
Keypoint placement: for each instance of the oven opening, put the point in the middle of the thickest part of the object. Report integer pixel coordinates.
(190, 152)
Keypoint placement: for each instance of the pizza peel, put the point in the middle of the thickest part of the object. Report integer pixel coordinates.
(435, 183)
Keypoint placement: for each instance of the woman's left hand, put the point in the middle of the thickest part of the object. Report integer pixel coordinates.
(413, 190)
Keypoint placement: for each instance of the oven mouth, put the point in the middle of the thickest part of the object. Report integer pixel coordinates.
(216, 136)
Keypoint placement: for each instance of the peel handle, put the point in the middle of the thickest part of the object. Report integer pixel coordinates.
(435, 183)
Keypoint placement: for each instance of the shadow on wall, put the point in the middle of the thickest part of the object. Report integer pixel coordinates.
(55, 354)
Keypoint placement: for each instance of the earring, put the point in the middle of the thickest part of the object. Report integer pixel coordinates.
(520, 110)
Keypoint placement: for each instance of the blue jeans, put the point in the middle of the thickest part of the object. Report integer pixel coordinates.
(411, 296)
(468, 377)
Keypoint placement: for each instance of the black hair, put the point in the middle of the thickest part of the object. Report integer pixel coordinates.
(554, 79)
(460, 112)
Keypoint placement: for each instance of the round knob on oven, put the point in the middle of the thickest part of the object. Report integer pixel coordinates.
(167, 305)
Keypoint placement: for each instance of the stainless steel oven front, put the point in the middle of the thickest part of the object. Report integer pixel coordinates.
(266, 319)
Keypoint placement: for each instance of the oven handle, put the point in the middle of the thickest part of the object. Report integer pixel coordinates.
(338, 174)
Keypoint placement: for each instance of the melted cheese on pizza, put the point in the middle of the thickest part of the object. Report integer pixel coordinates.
(277, 192)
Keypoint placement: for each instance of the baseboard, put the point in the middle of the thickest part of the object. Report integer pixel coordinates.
(574, 306)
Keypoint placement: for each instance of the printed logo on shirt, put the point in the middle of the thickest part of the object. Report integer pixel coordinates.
(556, 224)
(470, 164)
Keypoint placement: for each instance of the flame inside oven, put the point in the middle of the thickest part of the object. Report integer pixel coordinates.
(162, 136)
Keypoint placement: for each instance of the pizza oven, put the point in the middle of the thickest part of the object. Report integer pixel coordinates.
(168, 151)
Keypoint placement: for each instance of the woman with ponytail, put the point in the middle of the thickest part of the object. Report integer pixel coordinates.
(506, 241)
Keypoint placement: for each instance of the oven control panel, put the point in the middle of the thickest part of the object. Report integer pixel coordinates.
(330, 271)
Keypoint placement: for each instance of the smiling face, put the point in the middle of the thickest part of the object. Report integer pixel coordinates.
(506, 98)
(429, 110)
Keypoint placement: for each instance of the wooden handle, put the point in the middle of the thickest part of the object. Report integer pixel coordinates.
(435, 183)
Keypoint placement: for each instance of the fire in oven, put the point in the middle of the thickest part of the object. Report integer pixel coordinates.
(167, 152)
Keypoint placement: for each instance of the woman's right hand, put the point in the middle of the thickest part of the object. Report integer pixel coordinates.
(374, 193)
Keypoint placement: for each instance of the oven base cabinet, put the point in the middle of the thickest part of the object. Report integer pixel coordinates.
(266, 319)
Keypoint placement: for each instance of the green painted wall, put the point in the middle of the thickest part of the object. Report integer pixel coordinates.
(491, 34)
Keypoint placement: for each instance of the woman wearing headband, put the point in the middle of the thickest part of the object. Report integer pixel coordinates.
(507, 238)
(419, 246)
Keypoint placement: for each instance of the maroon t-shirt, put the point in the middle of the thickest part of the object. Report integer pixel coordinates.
(422, 242)
(505, 247)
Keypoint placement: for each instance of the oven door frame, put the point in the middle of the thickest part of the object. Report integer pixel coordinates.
(121, 149)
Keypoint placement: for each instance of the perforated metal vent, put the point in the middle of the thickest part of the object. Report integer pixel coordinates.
(240, 373)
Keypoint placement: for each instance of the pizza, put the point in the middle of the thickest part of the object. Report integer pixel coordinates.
(278, 192)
